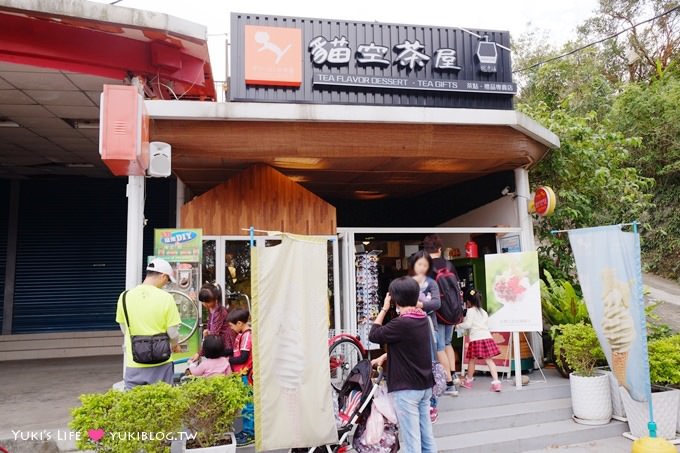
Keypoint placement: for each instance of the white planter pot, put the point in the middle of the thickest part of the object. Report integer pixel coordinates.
(591, 399)
(181, 447)
(665, 413)
(618, 411)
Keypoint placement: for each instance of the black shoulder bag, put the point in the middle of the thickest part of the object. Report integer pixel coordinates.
(148, 349)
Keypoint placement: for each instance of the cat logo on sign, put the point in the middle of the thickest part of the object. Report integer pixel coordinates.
(273, 56)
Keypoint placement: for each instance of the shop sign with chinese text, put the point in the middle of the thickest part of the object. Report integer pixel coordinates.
(283, 59)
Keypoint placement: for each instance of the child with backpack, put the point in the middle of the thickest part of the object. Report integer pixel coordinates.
(482, 345)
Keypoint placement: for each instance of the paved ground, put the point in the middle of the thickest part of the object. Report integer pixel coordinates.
(37, 395)
(611, 445)
(667, 292)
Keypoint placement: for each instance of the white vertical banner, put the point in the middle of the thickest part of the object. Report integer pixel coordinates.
(606, 265)
(292, 391)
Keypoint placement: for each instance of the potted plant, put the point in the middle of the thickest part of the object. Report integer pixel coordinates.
(211, 406)
(590, 392)
(664, 373)
(142, 419)
(561, 305)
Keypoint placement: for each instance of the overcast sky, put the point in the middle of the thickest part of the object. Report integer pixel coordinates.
(559, 18)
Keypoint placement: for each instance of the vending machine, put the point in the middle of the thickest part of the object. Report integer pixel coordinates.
(182, 249)
(471, 274)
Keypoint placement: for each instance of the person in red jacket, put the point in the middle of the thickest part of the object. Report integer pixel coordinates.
(242, 362)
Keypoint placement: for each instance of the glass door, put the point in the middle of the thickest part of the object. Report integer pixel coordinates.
(226, 261)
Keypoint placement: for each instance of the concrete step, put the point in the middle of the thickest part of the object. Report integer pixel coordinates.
(481, 396)
(61, 345)
(507, 416)
(529, 437)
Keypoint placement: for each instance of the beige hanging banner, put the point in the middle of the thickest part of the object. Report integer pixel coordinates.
(293, 401)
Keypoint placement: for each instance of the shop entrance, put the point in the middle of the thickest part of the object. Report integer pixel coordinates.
(371, 257)
(226, 261)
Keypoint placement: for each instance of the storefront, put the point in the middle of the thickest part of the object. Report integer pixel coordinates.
(361, 132)
(380, 133)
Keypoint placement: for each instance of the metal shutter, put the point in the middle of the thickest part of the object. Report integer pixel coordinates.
(4, 218)
(71, 251)
(70, 254)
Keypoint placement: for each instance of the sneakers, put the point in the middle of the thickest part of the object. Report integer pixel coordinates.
(434, 415)
(244, 439)
(456, 378)
(496, 386)
(451, 391)
(466, 382)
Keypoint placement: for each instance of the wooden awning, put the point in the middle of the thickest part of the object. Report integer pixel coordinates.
(354, 158)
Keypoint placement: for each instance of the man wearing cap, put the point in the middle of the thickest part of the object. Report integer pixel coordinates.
(150, 311)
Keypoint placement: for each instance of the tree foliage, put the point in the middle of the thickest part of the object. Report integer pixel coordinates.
(651, 111)
(616, 109)
(636, 55)
(590, 177)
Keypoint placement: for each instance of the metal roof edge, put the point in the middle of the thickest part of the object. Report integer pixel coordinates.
(101, 12)
(535, 130)
(259, 111)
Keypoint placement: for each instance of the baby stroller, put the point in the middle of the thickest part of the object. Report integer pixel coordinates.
(354, 406)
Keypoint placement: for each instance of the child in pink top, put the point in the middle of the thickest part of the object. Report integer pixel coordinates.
(214, 363)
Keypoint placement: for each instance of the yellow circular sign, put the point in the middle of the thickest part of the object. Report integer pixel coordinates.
(544, 201)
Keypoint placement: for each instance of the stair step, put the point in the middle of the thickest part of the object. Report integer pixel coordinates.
(480, 396)
(506, 416)
(530, 437)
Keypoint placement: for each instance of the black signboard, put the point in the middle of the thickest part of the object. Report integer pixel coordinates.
(286, 59)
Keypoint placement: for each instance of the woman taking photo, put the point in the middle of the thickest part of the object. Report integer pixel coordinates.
(409, 368)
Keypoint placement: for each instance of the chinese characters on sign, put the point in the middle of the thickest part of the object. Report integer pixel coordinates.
(335, 52)
(372, 54)
(445, 59)
(409, 54)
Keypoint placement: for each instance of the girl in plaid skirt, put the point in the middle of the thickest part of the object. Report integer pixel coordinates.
(481, 346)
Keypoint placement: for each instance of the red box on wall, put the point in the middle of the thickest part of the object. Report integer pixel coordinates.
(123, 131)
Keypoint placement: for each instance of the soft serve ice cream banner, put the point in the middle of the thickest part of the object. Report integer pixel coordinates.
(606, 263)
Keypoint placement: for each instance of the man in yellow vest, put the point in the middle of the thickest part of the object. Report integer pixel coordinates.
(150, 311)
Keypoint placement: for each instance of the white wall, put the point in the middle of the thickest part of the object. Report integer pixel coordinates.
(502, 211)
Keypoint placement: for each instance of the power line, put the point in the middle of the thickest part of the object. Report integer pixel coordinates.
(596, 42)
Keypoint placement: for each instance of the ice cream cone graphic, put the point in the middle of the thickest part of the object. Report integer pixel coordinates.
(617, 323)
(619, 364)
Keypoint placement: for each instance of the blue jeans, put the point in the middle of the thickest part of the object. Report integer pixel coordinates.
(248, 414)
(444, 336)
(413, 414)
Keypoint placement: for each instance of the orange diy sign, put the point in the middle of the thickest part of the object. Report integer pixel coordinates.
(273, 56)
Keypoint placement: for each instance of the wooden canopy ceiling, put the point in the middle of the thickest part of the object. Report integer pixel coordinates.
(345, 160)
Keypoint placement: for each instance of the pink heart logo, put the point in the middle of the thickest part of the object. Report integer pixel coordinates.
(95, 434)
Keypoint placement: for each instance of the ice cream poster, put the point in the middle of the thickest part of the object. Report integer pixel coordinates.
(606, 264)
(513, 292)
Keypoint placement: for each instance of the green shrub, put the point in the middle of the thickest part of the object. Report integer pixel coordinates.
(133, 421)
(147, 417)
(580, 347)
(212, 405)
(664, 360)
(560, 303)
